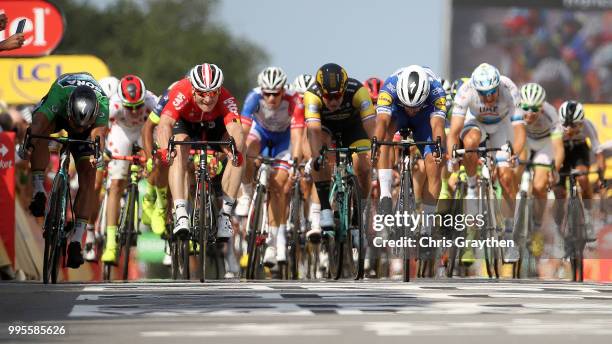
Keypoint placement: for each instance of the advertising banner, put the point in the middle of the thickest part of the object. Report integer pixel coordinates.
(27, 80)
(7, 193)
(44, 26)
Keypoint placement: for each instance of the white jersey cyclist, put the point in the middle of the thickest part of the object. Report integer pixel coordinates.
(541, 131)
(495, 121)
(129, 108)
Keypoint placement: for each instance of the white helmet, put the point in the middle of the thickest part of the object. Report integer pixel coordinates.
(532, 94)
(272, 79)
(109, 85)
(485, 78)
(413, 86)
(571, 112)
(206, 77)
(302, 83)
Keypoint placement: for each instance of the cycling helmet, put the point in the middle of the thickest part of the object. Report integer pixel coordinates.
(485, 78)
(302, 83)
(206, 77)
(571, 112)
(109, 85)
(532, 94)
(373, 85)
(82, 107)
(332, 78)
(272, 79)
(456, 85)
(132, 90)
(413, 86)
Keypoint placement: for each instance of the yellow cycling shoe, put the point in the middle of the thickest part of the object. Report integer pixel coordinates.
(110, 255)
(536, 244)
(244, 261)
(467, 258)
(158, 220)
(147, 210)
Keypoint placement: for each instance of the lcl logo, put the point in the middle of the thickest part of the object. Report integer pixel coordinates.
(44, 72)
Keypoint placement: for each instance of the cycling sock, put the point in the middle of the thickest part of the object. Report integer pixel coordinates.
(323, 192)
(281, 239)
(79, 229)
(162, 197)
(444, 185)
(90, 237)
(385, 179)
(471, 181)
(38, 182)
(247, 189)
(179, 208)
(272, 234)
(228, 204)
(314, 215)
(111, 241)
(150, 193)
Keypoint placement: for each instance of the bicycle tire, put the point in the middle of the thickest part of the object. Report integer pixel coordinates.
(406, 204)
(175, 258)
(293, 244)
(254, 227)
(52, 231)
(128, 230)
(183, 250)
(202, 227)
(485, 208)
(355, 250)
(577, 229)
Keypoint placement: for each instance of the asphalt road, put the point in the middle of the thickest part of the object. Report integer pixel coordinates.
(474, 311)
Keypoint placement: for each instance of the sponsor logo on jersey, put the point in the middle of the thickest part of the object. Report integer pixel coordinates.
(313, 108)
(179, 100)
(365, 104)
(440, 103)
(72, 81)
(230, 104)
(384, 99)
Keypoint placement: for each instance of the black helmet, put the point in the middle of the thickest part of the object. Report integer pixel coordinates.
(82, 107)
(332, 78)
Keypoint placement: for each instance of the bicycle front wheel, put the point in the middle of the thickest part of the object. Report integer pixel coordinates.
(354, 245)
(293, 242)
(128, 229)
(254, 227)
(53, 221)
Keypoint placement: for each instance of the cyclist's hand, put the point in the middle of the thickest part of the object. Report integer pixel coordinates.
(308, 167)
(554, 177)
(97, 163)
(23, 153)
(163, 155)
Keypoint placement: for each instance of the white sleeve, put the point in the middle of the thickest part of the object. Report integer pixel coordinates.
(591, 133)
(150, 101)
(460, 103)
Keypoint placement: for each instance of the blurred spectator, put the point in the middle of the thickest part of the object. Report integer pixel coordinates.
(13, 42)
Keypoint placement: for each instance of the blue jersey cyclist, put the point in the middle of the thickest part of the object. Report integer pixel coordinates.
(411, 98)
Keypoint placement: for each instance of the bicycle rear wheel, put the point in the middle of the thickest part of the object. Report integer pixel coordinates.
(491, 255)
(577, 229)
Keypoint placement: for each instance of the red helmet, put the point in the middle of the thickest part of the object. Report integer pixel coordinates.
(132, 90)
(373, 85)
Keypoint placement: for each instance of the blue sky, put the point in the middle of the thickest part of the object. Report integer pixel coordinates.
(367, 37)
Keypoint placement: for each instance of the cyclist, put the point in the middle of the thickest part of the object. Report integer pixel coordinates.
(373, 85)
(200, 106)
(494, 113)
(129, 109)
(413, 98)
(275, 122)
(77, 104)
(337, 105)
(576, 130)
(544, 141)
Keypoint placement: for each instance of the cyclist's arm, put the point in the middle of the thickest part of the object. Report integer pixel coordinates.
(559, 151)
(437, 119)
(251, 105)
(363, 102)
(164, 132)
(520, 130)
(147, 134)
(458, 112)
(99, 131)
(312, 115)
(384, 108)
(297, 129)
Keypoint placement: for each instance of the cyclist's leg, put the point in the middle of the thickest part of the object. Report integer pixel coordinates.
(177, 174)
(472, 135)
(232, 175)
(253, 147)
(318, 137)
(385, 161)
(543, 154)
(39, 161)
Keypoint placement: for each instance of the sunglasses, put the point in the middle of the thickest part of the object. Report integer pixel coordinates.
(271, 94)
(334, 96)
(533, 108)
(204, 94)
(487, 93)
(133, 107)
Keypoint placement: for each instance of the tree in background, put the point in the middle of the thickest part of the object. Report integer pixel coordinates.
(159, 40)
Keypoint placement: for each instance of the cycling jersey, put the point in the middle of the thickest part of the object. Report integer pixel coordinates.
(585, 130)
(125, 117)
(54, 103)
(420, 123)
(182, 106)
(467, 98)
(290, 113)
(546, 125)
(345, 122)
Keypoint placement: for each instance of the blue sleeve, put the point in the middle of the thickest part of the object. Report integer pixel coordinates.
(251, 104)
(387, 96)
(437, 100)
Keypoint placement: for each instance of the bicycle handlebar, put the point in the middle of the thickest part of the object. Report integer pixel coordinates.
(135, 159)
(350, 150)
(481, 151)
(204, 145)
(405, 144)
(61, 140)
